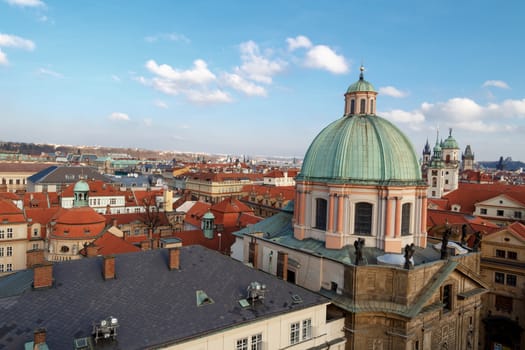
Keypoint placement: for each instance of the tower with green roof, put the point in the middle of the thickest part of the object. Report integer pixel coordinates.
(443, 171)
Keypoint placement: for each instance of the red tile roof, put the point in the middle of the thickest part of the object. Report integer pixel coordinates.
(109, 244)
(196, 237)
(96, 188)
(467, 195)
(10, 212)
(438, 218)
(194, 215)
(42, 216)
(518, 228)
(75, 223)
(228, 211)
(287, 192)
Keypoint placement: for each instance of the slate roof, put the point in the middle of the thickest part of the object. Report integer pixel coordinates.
(154, 305)
(57, 175)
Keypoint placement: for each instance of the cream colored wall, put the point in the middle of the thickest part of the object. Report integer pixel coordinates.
(275, 333)
(19, 244)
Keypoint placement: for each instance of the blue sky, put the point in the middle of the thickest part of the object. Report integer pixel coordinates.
(259, 78)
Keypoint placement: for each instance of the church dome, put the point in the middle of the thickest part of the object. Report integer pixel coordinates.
(361, 85)
(450, 142)
(81, 186)
(361, 149)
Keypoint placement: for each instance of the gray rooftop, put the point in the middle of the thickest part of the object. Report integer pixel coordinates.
(154, 305)
(66, 175)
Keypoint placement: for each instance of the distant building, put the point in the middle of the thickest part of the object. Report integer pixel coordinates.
(214, 187)
(467, 159)
(442, 169)
(189, 298)
(55, 178)
(13, 176)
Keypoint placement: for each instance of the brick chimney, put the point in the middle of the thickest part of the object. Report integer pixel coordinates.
(108, 269)
(39, 338)
(91, 250)
(43, 275)
(145, 245)
(174, 258)
(114, 222)
(34, 257)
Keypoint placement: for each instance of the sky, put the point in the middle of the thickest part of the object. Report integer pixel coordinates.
(259, 77)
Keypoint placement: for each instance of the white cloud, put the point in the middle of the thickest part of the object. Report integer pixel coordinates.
(256, 66)
(414, 118)
(26, 3)
(168, 37)
(202, 97)
(323, 57)
(392, 91)
(299, 41)
(238, 83)
(198, 75)
(7, 40)
(160, 104)
(3, 59)
(463, 114)
(496, 83)
(119, 116)
(44, 71)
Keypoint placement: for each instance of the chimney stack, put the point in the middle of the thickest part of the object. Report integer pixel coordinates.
(34, 257)
(145, 245)
(109, 267)
(39, 337)
(91, 250)
(114, 222)
(43, 275)
(174, 258)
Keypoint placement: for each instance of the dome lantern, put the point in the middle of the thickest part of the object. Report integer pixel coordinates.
(360, 97)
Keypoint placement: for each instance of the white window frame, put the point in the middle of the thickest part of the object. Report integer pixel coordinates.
(295, 330)
(242, 344)
(256, 342)
(306, 329)
(9, 251)
(9, 232)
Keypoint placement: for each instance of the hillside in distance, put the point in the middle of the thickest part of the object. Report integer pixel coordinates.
(34, 149)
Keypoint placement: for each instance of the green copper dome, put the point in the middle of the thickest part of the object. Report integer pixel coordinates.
(81, 186)
(361, 85)
(450, 142)
(363, 149)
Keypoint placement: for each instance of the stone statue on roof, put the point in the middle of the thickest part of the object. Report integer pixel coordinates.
(359, 244)
(409, 252)
(477, 241)
(444, 242)
(463, 234)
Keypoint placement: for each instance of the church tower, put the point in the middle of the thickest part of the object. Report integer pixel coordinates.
(468, 159)
(443, 172)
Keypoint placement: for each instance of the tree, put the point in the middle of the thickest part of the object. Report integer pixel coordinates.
(151, 214)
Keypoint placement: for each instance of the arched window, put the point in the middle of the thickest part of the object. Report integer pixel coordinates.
(371, 106)
(352, 106)
(363, 219)
(363, 106)
(320, 214)
(405, 219)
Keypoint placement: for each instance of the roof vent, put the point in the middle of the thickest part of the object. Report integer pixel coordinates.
(105, 329)
(296, 298)
(203, 298)
(256, 291)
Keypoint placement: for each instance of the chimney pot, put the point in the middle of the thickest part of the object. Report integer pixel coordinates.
(91, 250)
(43, 275)
(39, 337)
(174, 259)
(34, 257)
(109, 267)
(145, 245)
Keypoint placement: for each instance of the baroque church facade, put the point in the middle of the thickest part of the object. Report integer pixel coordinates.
(356, 233)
